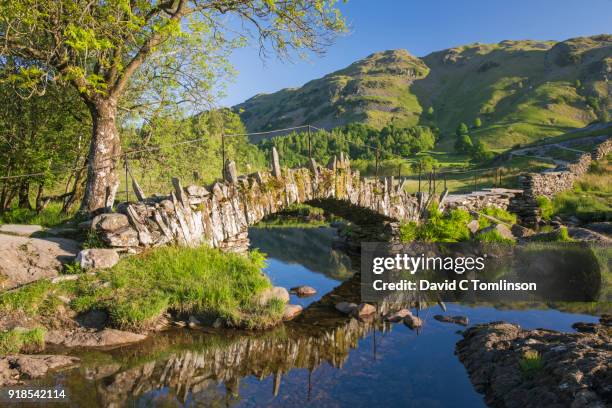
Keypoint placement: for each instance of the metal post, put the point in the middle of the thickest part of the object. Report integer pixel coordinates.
(399, 171)
(420, 167)
(309, 144)
(445, 188)
(127, 191)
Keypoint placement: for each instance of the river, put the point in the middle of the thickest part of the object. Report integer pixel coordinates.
(324, 360)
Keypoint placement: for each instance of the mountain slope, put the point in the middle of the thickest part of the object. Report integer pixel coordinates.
(521, 91)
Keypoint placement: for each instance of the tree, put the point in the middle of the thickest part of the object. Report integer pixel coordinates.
(462, 129)
(39, 140)
(430, 112)
(463, 144)
(477, 123)
(169, 50)
(480, 152)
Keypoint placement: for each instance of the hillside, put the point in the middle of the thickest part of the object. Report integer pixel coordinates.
(521, 90)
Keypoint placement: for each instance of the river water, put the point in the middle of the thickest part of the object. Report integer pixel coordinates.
(322, 359)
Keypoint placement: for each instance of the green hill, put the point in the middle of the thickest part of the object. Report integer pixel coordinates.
(521, 91)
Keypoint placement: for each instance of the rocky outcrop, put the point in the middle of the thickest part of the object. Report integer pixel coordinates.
(14, 369)
(91, 338)
(25, 260)
(515, 367)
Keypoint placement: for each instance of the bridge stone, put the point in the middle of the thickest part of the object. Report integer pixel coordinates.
(276, 169)
(229, 171)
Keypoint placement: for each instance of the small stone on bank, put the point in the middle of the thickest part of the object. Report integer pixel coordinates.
(291, 312)
(413, 321)
(398, 316)
(98, 258)
(364, 310)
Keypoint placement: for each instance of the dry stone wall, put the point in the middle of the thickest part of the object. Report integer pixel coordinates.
(550, 183)
(219, 215)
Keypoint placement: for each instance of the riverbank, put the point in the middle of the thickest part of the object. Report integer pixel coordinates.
(144, 293)
(514, 367)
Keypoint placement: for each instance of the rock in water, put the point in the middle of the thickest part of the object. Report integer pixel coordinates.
(97, 258)
(15, 368)
(413, 321)
(346, 308)
(303, 291)
(398, 316)
(461, 320)
(291, 312)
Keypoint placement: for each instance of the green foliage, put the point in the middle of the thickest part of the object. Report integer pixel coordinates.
(464, 144)
(200, 281)
(546, 207)
(477, 122)
(16, 340)
(29, 298)
(498, 213)
(559, 235)
(48, 217)
(93, 240)
(430, 112)
(462, 129)
(530, 364)
(492, 235)
(451, 227)
(424, 164)
(358, 140)
(480, 152)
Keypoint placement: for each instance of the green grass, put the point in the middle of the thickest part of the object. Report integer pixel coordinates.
(48, 217)
(200, 281)
(16, 340)
(530, 364)
(591, 198)
(498, 213)
(451, 227)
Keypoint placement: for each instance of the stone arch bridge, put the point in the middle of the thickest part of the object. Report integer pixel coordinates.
(219, 215)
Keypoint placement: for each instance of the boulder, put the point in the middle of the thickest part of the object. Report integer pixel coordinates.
(604, 228)
(15, 368)
(291, 312)
(364, 310)
(346, 307)
(275, 292)
(398, 316)
(521, 232)
(461, 320)
(303, 291)
(583, 234)
(110, 222)
(413, 321)
(197, 191)
(473, 226)
(97, 258)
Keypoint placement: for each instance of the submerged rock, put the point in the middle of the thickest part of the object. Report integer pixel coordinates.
(346, 307)
(514, 367)
(291, 312)
(462, 320)
(303, 291)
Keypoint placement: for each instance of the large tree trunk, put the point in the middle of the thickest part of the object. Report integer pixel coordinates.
(104, 151)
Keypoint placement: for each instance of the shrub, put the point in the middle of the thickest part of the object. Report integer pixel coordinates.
(451, 227)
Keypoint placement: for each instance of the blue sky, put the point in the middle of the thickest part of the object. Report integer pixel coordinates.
(421, 27)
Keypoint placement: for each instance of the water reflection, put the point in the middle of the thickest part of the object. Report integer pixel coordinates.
(321, 359)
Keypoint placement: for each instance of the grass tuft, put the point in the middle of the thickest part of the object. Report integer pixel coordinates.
(19, 339)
